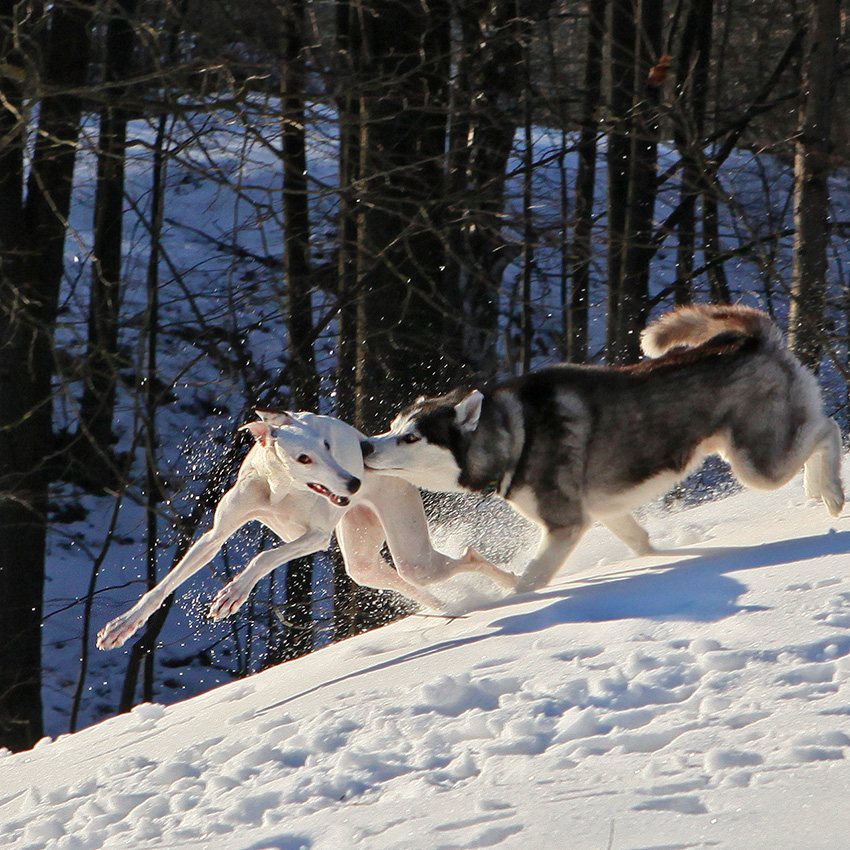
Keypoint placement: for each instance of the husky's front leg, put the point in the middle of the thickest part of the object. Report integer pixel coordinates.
(230, 598)
(631, 532)
(555, 548)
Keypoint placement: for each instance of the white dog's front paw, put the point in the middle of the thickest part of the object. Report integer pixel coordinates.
(229, 600)
(118, 631)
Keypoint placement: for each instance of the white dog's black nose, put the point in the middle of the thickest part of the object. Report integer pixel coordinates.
(353, 485)
(367, 448)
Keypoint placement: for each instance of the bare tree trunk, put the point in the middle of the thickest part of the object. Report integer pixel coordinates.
(98, 402)
(529, 235)
(406, 317)
(296, 218)
(486, 113)
(142, 652)
(586, 184)
(30, 300)
(692, 67)
(348, 103)
(622, 36)
(812, 166)
(643, 155)
(297, 638)
(718, 285)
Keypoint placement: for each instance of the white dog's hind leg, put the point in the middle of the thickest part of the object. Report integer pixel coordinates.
(399, 507)
(630, 531)
(555, 548)
(361, 536)
(473, 562)
(230, 598)
(237, 507)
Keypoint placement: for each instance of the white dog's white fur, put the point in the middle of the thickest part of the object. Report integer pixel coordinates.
(303, 478)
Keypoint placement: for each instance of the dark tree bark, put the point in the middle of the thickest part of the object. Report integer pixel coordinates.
(692, 67)
(142, 653)
(348, 105)
(486, 112)
(637, 250)
(406, 342)
(622, 65)
(297, 637)
(582, 251)
(812, 166)
(97, 406)
(30, 294)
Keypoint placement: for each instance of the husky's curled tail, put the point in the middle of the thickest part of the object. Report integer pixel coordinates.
(694, 325)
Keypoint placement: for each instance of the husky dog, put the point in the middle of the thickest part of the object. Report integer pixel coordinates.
(567, 445)
(303, 478)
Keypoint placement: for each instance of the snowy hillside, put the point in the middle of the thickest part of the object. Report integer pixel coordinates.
(698, 698)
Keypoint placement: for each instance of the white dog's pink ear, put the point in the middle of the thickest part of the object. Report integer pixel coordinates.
(468, 411)
(275, 417)
(261, 431)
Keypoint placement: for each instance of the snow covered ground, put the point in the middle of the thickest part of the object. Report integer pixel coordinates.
(698, 698)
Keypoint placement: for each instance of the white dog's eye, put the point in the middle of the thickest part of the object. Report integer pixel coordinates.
(410, 439)
(304, 459)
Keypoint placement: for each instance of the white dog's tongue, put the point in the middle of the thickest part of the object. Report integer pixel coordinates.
(340, 501)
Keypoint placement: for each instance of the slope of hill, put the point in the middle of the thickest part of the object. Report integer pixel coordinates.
(698, 698)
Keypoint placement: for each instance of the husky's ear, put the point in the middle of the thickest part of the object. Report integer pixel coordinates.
(261, 430)
(275, 418)
(468, 410)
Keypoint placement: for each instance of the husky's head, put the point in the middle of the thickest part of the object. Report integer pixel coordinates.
(427, 441)
(306, 456)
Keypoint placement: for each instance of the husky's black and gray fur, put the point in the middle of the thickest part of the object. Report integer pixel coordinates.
(569, 444)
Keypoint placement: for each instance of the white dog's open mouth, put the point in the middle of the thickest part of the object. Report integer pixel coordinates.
(340, 501)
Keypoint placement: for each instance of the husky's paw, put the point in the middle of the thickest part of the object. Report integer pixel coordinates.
(833, 498)
(118, 631)
(528, 584)
(229, 600)
(644, 549)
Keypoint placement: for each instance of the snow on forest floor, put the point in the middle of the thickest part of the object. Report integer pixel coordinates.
(693, 699)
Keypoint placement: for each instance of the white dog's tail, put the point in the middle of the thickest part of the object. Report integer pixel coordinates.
(698, 323)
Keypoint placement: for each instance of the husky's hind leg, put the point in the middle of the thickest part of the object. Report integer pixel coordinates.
(822, 472)
(768, 460)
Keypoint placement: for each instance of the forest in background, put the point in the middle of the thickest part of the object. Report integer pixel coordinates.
(377, 199)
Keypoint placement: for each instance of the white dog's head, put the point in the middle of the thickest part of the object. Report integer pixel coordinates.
(306, 455)
(426, 442)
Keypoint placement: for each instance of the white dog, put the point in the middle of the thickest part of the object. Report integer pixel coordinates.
(303, 478)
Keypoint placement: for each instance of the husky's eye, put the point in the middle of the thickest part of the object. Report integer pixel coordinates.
(327, 445)
(304, 459)
(410, 439)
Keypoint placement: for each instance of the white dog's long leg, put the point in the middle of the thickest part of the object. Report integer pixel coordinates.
(228, 600)
(627, 528)
(399, 507)
(555, 548)
(237, 507)
(360, 536)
